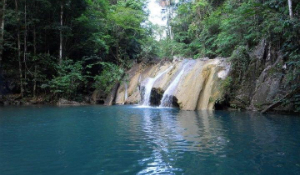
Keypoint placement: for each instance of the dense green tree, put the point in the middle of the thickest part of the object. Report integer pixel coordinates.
(232, 28)
(43, 39)
(46, 46)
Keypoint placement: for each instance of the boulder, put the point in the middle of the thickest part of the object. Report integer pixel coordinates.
(97, 97)
(65, 102)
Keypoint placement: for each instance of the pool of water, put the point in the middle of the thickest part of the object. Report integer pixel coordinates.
(97, 140)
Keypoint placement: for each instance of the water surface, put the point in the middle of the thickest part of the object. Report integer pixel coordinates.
(129, 140)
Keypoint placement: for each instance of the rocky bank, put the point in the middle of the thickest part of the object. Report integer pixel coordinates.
(206, 84)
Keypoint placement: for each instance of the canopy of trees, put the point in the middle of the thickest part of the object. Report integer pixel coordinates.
(70, 47)
(62, 46)
(232, 28)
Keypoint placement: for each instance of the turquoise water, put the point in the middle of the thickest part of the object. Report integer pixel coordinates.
(97, 140)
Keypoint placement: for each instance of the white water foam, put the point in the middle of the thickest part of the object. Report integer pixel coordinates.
(149, 85)
(167, 99)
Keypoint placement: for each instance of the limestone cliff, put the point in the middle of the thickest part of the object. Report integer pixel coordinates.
(197, 88)
(203, 84)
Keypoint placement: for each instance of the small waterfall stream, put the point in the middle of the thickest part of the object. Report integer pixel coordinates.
(126, 93)
(167, 98)
(190, 84)
(149, 85)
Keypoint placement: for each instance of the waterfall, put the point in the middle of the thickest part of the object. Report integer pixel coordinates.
(167, 98)
(190, 84)
(149, 85)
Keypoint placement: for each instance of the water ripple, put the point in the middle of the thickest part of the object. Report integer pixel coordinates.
(138, 140)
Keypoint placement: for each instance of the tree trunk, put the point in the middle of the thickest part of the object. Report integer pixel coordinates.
(35, 58)
(290, 9)
(25, 44)
(2, 20)
(60, 33)
(35, 64)
(19, 49)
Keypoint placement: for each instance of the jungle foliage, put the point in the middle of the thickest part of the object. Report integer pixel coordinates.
(70, 47)
(232, 28)
(216, 28)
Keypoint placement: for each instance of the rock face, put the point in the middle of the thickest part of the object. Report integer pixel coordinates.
(197, 84)
(263, 81)
(111, 96)
(98, 97)
(189, 84)
(132, 81)
(201, 85)
(64, 102)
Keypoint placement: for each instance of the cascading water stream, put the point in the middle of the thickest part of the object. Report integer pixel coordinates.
(126, 93)
(167, 98)
(149, 85)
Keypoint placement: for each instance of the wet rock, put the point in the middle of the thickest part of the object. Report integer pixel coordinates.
(98, 97)
(120, 98)
(134, 78)
(17, 103)
(65, 102)
(111, 96)
(198, 88)
(134, 98)
(156, 96)
(6, 103)
(264, 80)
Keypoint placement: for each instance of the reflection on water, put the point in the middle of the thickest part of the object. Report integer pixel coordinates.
(130, 140)
(202, 130)
(156, 126)
(178, 132)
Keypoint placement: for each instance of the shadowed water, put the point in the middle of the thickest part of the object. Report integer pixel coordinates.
(130, 140)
